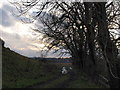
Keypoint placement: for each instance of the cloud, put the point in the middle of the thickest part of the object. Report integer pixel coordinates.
(21, 44)
(6, 19)
(28, 52)
(6, 16)
(10, 38)
(26, 46)
(7, 7)
(18, 36)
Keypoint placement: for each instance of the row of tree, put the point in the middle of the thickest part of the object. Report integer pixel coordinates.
(81, 29)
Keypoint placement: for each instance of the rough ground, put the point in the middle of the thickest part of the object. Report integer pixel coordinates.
(64, 84)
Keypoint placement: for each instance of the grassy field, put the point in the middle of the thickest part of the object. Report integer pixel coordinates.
(19, 71)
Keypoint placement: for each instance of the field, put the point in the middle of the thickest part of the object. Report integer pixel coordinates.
(21, 72)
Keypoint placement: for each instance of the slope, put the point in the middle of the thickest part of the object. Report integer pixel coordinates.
(19, 71)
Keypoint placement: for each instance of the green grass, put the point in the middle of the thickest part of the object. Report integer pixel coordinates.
(83, 82)
(22, 83)
(80, 83)
(56, 82)
(19, 71)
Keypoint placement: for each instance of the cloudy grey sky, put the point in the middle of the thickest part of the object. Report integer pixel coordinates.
(17, 35)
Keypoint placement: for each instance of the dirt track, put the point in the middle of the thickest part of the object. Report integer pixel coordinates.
(64, 84)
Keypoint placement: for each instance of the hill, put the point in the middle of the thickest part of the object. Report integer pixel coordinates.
(19, 71)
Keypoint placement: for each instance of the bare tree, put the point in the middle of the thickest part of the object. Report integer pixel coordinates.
(80, 28)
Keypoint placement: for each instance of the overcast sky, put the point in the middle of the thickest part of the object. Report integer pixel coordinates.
(18, 36)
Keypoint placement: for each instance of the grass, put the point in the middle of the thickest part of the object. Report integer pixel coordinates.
(80, 83)
(19, 71)
(83, 82)
(56, 82)
(23, 82)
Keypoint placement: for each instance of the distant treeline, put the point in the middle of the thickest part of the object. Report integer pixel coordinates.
(54, 60)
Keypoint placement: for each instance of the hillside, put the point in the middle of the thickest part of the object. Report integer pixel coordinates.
(19, 71)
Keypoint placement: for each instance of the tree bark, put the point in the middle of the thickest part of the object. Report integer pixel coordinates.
(108, 47)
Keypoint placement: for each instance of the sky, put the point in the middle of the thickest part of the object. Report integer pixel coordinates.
(17, 35)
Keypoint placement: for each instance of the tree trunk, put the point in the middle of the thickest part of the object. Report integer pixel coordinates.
(108, 47)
